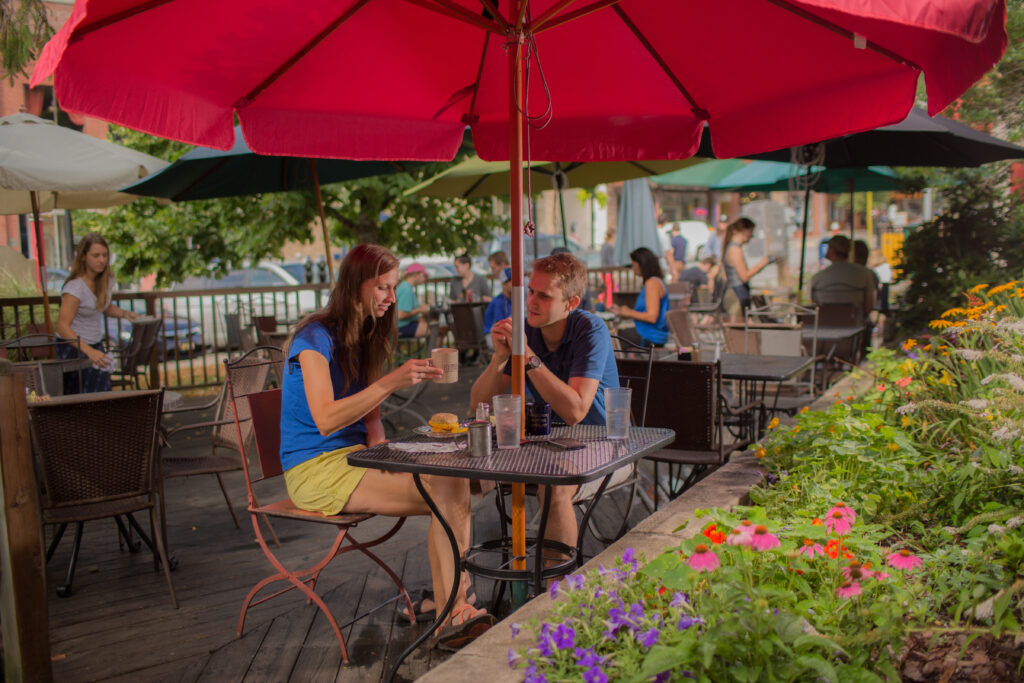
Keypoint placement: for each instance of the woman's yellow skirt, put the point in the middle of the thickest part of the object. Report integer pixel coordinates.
(324, 483)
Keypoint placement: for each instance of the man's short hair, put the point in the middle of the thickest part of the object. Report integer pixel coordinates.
(861, 252)
(568, 271)
(709, 261)
(499, 258)
(839, 245)
(463, 259)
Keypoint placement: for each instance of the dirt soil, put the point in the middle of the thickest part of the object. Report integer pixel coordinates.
(942, 658)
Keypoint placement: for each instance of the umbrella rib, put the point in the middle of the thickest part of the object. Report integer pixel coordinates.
(496, 14)
(450, 9)
(472, 188)
(200, 179)
(247, 99)
(471, 115)
(115, 18)
(697, 110)
(643, 168)
(545, 22)
(824, 23)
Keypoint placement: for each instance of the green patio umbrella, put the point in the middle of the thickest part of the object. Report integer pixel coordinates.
(775, 176)
(703, 175)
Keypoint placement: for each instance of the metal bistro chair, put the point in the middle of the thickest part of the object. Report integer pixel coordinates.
(227, 441)
(687, 397)
(133, 358)
(263, 410)
(401, 401)
(32, 371)
(467, 322)
(97, 455)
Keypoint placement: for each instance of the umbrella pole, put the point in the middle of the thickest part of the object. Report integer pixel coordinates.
(803, 243)
(323, 221)
(41, 252)
(556, 180)
(518, 301)
(852, 220)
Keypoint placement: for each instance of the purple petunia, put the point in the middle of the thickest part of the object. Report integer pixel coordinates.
(515, 628)
(648, 638)
(553, 591)
(586, 658)
(533, 677)
(564, 637)
(678, 600)
(664, 676)
(513, 658)
(575, 581)
(595, 675)
(686, 622)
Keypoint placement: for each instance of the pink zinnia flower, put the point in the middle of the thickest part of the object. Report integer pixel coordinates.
(737, 537)
(903, 559)
(879, 575)
(848, 589)
(846, 510)
(762, 539)
(838, 522)
(810, 549)
(855, 572)
(703, 560)
(746, 527)
(902, 382)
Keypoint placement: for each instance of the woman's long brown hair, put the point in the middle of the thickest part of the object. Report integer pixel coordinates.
(104, 279)
(363, 342)
(736, 226)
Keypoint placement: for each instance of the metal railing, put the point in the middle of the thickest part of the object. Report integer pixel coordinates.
(202, 327)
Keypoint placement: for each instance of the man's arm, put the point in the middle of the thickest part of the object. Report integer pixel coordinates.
(493, 380)
(571, 401)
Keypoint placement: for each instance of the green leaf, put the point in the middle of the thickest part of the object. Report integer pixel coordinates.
(819, 665)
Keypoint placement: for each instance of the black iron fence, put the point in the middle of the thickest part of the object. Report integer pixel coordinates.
(202, 327)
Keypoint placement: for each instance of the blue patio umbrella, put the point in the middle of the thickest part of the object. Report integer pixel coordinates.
(775, 176)
(637, 226)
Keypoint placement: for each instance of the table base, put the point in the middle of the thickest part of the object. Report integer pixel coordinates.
(501, 570)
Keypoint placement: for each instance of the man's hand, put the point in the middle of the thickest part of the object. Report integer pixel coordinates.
(501, 336)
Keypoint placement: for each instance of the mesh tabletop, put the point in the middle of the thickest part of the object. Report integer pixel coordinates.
(760, 368)
(832, 334)
(530, 463)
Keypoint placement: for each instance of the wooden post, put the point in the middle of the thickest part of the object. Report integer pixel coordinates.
(23, 617)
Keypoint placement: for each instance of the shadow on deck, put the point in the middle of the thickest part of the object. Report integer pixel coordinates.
(118, 625)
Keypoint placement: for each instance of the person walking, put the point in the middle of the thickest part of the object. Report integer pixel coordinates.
(736, 298)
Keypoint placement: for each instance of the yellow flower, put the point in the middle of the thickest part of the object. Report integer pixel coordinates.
(774, 423)
(904, 421)
(1002, 288)
(953, 312)
(759, 453)
(939, 324)
(804, 409)
(908, 344)
(893, 447)
(977, 288)
(1001, 307)
(946, 379)
(796, 430)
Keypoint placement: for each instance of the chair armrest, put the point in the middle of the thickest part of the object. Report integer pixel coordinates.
(186, 409)
(198, 425)
(739, 410)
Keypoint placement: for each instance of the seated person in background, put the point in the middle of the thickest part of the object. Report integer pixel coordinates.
(861, 254)
(675, 256)
(843, 282)
(585, 302)
(412, 318)
(497, 262)
(332, 389)
(501, 305)
(569, 362)
(648, 313)
(467, 285)
(701, 274)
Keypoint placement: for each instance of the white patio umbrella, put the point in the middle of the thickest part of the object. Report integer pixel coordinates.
(44, 166)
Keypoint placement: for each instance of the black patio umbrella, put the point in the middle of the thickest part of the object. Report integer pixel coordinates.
(206, 173)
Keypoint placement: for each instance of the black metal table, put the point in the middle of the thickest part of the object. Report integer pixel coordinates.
(828, 339)
(532, 463)
(753, 372)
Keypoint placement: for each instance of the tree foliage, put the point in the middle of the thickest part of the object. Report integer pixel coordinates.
(24, 28)
(174, 240)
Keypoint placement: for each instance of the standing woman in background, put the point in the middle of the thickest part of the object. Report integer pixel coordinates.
(648, 313)
(85, 299)
(736, 298)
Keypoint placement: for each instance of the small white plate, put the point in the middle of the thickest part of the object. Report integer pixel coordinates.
(427, 431)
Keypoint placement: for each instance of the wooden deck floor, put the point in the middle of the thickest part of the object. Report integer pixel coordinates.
(119, 625)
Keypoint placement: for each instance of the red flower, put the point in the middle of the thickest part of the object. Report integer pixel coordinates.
(713, 534)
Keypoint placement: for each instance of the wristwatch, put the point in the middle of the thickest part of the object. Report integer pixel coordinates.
(532, 363)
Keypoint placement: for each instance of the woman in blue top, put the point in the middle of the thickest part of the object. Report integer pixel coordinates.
(334, 383)
(651, 304)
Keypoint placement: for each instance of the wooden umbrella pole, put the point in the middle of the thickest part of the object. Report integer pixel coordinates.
(41, 253)
(518, 299)
(323, 221)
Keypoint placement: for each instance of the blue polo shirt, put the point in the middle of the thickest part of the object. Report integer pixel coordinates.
(300, 438)
(499, 308)
(585, 351)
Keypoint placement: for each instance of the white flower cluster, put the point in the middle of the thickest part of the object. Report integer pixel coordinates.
(996, 529)
(1005, 434)
(1015, 522)
(1015, 326)
(907, 408)
(975, 403)
(971, 354)
(1016, 469)
(1014, 380)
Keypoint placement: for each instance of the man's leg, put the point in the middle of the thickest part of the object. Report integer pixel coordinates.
(562, 525)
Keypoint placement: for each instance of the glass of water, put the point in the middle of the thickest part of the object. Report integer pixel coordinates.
(508, 411)
(616, 411)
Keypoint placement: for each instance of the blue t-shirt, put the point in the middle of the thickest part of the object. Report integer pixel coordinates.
(499, 308)
(679, 248)
(585, 351)
(656, 332)
(300, 438)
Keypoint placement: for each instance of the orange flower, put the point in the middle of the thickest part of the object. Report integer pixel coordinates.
(816, 522)
(759, 453)
(713, 534)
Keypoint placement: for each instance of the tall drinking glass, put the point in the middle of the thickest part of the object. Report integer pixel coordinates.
(508, 410)
(616, 411)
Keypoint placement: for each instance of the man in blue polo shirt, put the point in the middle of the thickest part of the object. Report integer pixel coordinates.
(569, 363)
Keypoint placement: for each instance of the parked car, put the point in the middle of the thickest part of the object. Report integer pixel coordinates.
(180, 336)
(211, 307)
(436, 266)
(55, 278)
(544, 244)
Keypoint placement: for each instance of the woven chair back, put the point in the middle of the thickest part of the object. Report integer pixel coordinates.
(96, 448)
(468, 326)
(32, 372)
(635, 376)
(683, 396)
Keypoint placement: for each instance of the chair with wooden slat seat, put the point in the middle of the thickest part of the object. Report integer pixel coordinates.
(687, 397)
(262, 410)
(32, 372)
(97, 459)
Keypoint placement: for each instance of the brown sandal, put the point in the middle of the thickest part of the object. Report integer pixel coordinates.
(470, 627)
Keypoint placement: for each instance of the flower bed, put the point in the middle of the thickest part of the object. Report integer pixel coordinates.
(920, 563)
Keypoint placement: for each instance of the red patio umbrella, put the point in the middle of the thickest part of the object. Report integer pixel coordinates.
(599, 79)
